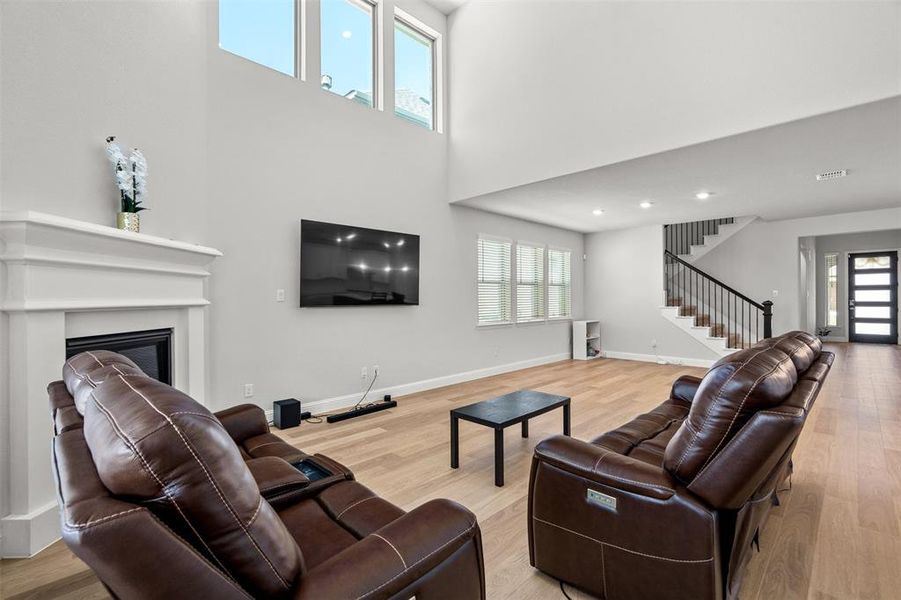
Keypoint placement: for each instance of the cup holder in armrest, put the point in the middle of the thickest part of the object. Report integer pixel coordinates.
(311, 470)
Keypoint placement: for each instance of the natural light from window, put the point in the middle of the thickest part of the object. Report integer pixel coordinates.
(259, 30)
(414, 82)
(346, 45)
(831, 290)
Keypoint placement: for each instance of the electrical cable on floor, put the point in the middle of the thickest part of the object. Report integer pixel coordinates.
(319, 418)
(563, 589)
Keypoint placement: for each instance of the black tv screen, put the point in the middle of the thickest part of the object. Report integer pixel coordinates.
(342, 265)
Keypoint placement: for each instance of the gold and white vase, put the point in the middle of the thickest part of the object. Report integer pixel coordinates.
(129, 221)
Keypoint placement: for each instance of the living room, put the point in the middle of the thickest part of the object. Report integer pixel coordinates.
(677, 183)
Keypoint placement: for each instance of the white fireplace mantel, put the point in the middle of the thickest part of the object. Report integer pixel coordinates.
(64, 278)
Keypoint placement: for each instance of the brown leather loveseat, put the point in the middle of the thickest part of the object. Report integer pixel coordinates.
(163, 499)
(668, 505)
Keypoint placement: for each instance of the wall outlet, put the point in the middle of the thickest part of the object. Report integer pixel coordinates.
(375, 371)
(364, 373)
(279, 295)
(775, 293)
(653, 343)
(248, 390)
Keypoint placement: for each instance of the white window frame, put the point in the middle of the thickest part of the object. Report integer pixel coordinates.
(378, 55)
(511, 283)
(548, 251)
(437, 64)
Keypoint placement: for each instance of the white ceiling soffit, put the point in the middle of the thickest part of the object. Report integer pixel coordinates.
(769, 172)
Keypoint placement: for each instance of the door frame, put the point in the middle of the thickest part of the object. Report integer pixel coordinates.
(892, 270)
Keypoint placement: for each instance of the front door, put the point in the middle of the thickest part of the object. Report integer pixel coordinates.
(873, 297)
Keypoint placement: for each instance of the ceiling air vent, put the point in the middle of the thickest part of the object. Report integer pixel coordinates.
(831, 175)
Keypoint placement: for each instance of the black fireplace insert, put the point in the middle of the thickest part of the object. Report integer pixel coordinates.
(151, 350)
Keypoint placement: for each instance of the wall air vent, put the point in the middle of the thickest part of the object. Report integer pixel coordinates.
(831, 175)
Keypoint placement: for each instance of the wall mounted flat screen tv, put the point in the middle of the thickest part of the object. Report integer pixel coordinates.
(343, 265)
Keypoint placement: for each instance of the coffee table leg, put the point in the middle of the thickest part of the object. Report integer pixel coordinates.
(566, 419)
(525, 428)
(499, 457)
(455, 441)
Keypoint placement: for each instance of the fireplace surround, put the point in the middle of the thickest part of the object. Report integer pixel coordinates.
(65, 280)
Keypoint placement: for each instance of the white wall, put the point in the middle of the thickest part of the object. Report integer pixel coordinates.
(764, 256)
(624, 290)
(238, 155)
(544, 88)
(842, 245)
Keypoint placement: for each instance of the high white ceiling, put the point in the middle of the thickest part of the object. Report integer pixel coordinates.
(769, 172)
(447, 6)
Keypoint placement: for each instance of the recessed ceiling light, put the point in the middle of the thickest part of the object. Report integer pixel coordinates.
(597, 212)
(703, 195)
(646, 204)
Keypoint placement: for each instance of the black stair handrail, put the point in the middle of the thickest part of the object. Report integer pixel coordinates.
(709, 290)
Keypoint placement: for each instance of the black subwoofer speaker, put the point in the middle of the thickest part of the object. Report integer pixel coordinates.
(286, 413)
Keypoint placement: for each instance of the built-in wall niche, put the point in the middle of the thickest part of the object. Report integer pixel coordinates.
(151, 350)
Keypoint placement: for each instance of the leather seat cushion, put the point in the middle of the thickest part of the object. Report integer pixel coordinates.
(269, 444)
(318, 535)
(645, 437)
(357, 509)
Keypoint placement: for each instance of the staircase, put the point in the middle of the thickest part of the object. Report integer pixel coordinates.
(690, 241)
(713, 313)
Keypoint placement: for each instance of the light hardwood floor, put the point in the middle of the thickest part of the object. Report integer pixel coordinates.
(837, 534)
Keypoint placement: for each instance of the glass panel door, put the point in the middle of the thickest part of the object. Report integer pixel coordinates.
(873, 297)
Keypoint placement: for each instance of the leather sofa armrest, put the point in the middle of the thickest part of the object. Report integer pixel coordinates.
(606, 467)
(243, 421)
(277, 479)
(685, 388)
(393, 558)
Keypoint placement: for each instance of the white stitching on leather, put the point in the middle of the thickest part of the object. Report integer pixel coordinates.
(93, 522)
(91, 354)
(427, 556)
(212, 483)
(710, 406)
(638, 483)
(256, 512)
(121, 434)
(740, 406)
(587, 537)
(347, 508)
(393, 547)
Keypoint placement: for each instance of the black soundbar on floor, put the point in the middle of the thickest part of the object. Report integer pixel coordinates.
(359, 412)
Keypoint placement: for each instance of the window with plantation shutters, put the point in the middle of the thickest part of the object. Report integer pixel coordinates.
(559, 284)
(494, 282)
(530, 293)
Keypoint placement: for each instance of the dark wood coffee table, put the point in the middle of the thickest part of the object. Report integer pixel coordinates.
(501, 412)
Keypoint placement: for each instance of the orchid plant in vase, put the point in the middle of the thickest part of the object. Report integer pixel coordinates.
(131, 179)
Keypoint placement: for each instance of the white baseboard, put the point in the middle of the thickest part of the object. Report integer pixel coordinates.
(672, 360)
(348, 400)
(26, 535)
(834, 338)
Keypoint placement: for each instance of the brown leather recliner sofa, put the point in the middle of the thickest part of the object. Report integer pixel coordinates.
(669, 505)
(163, 499)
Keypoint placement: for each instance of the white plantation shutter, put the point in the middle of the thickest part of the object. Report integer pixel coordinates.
(495, 274)
(559, 284)
(529, 283)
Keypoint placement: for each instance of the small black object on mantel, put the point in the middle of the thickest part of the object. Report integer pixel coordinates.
(286, 413)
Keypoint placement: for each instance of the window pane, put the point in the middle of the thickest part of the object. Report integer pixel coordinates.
(259, 30)
(559, 284)
(413, 77)
(872, 312)
(872, 262)
(346, 46)
(872, 279)
(832, 290)
(494, 282)
(529, 283)
(872, 295)
(872, 328)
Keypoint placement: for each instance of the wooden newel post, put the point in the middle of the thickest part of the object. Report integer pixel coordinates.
(768, 319)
